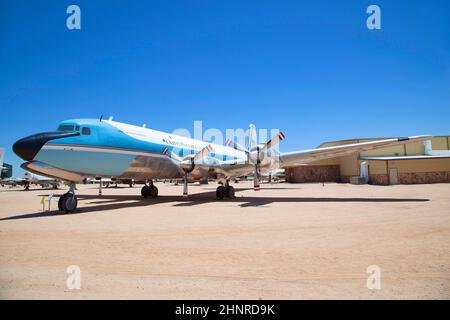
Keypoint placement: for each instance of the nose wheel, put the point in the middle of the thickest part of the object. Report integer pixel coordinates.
(149, 191)
(68, 202)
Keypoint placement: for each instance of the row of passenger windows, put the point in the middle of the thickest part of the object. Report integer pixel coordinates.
(69, 127)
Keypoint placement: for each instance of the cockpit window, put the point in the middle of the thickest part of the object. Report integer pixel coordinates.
(86, 131)
(66, 127)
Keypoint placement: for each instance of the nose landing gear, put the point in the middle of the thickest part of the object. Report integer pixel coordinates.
(149, 191)
(68, 202)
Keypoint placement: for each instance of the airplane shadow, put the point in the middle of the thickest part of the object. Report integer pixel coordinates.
(31, 190)
(113, 202)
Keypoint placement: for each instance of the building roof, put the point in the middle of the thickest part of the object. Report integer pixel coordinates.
(371, 139)
(404, 157)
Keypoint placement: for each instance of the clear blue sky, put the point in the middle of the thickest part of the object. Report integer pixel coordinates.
(310, 68)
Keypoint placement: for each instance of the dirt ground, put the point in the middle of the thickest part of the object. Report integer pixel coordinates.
(287, 241)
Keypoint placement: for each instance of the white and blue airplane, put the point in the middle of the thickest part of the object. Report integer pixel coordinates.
(83, 148)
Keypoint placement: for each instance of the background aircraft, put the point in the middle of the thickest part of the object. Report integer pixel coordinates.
(84, 148)
(31, 179)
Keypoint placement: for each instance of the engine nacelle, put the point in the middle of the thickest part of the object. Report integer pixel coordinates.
(188, 165)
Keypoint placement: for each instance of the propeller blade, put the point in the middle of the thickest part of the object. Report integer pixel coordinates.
(202, 153)
(171, 155)
(272, 142)
(235, 145)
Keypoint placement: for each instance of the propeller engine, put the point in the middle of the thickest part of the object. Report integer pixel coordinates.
(187, 163)
(256, 153)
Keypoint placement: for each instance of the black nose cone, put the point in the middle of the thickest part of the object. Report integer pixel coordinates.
(28, 147)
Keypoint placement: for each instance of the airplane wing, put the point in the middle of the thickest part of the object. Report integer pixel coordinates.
(296, 158)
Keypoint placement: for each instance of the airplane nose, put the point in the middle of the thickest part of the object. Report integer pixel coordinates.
(28, 147)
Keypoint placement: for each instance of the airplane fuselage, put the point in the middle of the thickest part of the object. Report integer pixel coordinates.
(113, 149)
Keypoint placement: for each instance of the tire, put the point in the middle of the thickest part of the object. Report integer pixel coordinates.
(230, 192)
(145, 191)
(153, 192)
(68, 202)
(220, 192)
(60, 207)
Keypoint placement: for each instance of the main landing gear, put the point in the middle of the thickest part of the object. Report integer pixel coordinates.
(68, 202)
(225, 191)
(149, 190)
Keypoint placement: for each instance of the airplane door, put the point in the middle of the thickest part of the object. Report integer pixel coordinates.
(393, 176)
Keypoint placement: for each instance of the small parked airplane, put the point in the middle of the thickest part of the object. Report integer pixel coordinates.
(84, 148)
(30, 179)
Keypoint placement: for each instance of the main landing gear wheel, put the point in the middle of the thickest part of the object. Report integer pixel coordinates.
(220, 192)
(149, 191)
(227, 191)
(68, 202)
(230, 192)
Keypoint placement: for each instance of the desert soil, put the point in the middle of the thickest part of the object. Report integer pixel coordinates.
(287, 241)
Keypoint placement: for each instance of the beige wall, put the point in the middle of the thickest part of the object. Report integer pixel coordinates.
(377, 167)
(439, 143)
(325, 162)
(409, 165)
(420, 165)
(415, 149)
(337, 143)
(349, 165)
(388, 151)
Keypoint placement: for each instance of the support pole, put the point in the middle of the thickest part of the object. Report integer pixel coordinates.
(185, 186)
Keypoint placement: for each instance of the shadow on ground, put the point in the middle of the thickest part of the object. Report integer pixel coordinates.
(97, 203)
